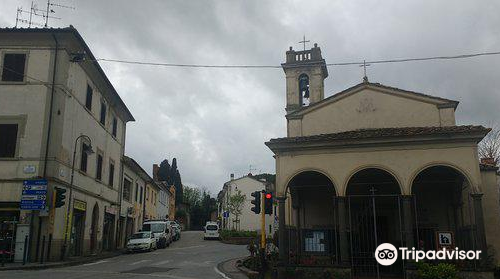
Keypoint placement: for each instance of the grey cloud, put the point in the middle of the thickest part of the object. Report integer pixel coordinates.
(216, 121)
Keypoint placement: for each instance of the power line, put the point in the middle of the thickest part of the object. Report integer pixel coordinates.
(358, 63)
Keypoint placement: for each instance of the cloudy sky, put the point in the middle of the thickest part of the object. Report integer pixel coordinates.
(215, 121)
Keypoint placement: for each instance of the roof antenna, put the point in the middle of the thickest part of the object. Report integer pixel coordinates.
(34, 11)
(50, 10)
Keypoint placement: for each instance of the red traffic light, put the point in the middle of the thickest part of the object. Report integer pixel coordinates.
(268, 196)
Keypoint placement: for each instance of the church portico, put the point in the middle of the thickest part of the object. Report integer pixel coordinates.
(375, 164)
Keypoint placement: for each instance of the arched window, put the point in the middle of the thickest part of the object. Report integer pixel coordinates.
(303, 90)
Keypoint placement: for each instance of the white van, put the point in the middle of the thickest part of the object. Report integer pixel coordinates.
(161, 230)
(211, 231)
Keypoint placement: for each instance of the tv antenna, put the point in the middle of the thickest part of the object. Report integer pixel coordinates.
(50, 10)
(34, 11)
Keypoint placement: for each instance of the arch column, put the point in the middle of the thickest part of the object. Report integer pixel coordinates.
(282, 239)
(479, 220)
(407, 208)
(343, 232)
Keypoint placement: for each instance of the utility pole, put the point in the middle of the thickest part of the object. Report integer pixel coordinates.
(262, 235)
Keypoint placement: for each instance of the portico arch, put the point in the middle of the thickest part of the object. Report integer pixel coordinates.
(374, 168)
(447, 204)
(311, 228)
(374, 205)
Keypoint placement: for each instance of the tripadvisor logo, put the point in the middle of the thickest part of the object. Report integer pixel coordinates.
(386, 254)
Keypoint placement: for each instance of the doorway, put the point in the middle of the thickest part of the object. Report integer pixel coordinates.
(77, 232)
(374, 208)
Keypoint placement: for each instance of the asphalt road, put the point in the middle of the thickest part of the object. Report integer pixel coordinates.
(190, 257)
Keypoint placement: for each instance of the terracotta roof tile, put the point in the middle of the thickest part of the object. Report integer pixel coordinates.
(384, 133)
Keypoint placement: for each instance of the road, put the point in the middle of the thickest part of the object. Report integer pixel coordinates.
(190, 257)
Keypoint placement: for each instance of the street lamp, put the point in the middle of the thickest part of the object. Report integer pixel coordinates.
(89, 151)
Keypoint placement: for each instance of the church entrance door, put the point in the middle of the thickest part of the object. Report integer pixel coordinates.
(375, 217)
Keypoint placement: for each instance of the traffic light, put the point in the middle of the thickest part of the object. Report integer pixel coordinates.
(60, 197)
(268, 203)
(256, 202)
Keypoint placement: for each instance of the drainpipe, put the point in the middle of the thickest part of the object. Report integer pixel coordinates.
(120, 190)
(49, 130)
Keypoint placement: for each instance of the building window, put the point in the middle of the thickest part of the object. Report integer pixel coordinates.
(140, 198)
(115, 126)
(84, 157)
(88, 99)
(127, 184)
(98, 174)
(136, 191)
(8, 140)
(147, 194)
(103, 114)
(111, 173)
(13, 67)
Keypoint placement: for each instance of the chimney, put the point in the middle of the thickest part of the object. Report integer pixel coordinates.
(156, 168)
(232, 176)
(488, 161)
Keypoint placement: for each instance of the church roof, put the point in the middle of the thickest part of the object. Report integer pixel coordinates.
(386, 134)
(378, 87)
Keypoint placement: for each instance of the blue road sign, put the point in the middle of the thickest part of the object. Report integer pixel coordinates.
(225, 214)
(34, 194)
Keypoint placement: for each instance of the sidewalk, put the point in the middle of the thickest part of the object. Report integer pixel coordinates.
(230, 269)
(71, 261)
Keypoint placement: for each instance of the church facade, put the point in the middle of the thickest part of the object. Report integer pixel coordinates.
(376, 164)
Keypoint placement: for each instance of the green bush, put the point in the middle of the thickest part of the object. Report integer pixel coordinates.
(438, 271)
(224, 234)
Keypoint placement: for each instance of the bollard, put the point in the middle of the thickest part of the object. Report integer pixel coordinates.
(49, 245)
(43, 250)
(25, 252)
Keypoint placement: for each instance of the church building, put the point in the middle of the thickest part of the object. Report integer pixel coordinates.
(375, 164)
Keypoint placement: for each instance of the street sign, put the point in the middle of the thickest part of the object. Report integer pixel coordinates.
(34, 194)
(225, 214)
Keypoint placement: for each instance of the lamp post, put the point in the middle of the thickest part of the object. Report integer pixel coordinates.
(88, 150)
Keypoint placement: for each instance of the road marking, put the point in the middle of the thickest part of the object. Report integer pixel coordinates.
(221, 273)
(189, 247)
(94, 263)
(141, 261)
(161, 263)
(121, 273)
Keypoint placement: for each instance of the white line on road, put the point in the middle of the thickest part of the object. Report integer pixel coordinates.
(94, 263)
(161, 263)
(138, 262)
(188, 247)
(221, 273)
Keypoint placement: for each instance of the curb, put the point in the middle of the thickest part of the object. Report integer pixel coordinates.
(248, 272)
(243, 270)
(35, 266)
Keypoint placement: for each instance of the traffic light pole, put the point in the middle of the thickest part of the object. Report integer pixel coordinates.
(263, 235)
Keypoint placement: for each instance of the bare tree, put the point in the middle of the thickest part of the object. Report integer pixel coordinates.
(489, 147)
(235, 205)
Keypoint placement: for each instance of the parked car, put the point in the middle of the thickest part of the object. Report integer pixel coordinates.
(141, 241)
(161, 230)
(211, 231)
(176, 230)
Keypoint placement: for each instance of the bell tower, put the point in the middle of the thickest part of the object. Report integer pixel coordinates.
(305, 73)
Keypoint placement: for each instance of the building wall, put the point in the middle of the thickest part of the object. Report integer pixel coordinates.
(249, 221)
(404, 162)
(370, 108)
(151, 201)
(28, 103)
(491, 209)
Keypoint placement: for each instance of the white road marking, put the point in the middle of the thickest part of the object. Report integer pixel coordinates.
(161, 263)
(189, 247)
(94, 263)
(221, 273)
(141, 261)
